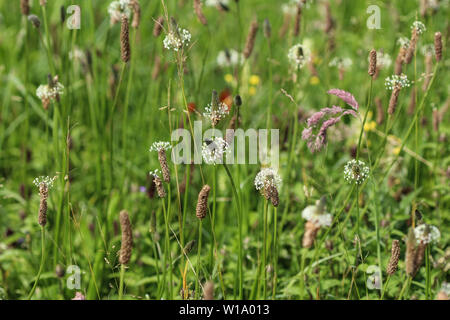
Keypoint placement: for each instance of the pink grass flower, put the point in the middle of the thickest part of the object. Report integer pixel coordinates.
(347, 97)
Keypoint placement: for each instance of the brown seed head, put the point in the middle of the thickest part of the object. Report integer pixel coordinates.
(34, 21)
(394, 99)
(127, 238)
(310, 234)
(25, 7)
(395, 255)
(135, 6)
(164, 167)
(159, 186)
(202, 203)
(125, 51)
(208, 291)
(298, 18)
(157, 28)
(43, 194)
(419, 256)
(199, 12)
(438, 45)
(412, 46)
(251, 39)
(399, 61)
(373, 63)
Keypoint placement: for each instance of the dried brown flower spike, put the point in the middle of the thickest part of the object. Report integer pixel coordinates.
(158, 27)
(25, 7)
(373, 63)
(199, 12)
(135, 6)
(202, 203)
(393, 261)
(394, 99)
(164, 167)
(208, 290)
(43, 194)
(251, 39)
(159, 186)
(125, 51)
(310, 234)
(438, 45)
(127, 238)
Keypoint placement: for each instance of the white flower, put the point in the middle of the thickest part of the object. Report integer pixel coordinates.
(356, 171)
(215, 3)
(160, 145)
(446, 288)
(117, 8)
(45, 92)
(341, 63)
(267, 177)
(403, 42)
(397, 80)
(176, 40)
(216, 114)
(213, 150)
(383, 59)
(317, 214)
(419, 26)
(427, 49)
(299, 55)
(291, 6)
(229, 58)
(155, 173)
(427, 234)
(42, 180)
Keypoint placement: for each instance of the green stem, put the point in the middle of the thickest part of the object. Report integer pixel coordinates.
(122, 275)
(41, 267)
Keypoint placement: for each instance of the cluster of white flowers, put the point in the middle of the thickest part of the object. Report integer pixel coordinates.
(45, 92)
(216, 114)
(267, 177)
(160, 145)
(229, 58)
(215, 3)
(117, 8)
(426, 233)
(397, 80)
(77, 54)
(341, 63)
(419, 26)
(155, 173)
(383, 59)
(299, 55)
(213, 150)
(42, 180)
(403, 42)
(176, 40)
(427, 49)
(317, 214)
(291, 6)
(356, 171)
(446, 288)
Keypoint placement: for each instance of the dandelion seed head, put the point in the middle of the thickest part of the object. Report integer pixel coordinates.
(397, 80)
(160, 145)
(213, 150)
(426, 233)
(356, 171)
(299, 55)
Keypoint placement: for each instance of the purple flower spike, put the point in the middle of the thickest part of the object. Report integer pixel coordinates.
(347, 97)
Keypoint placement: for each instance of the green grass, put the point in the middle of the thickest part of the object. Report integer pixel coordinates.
(96, 139)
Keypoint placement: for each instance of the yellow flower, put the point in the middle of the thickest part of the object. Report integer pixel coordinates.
(254, 80)
(396, 151)
(370, 115)
(314, 80)
(228, 78)
(252, 91)
(369, 126)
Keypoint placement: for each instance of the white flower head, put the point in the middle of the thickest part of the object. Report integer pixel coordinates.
(291, 6)
(397, 80)
(215, 3)
(117, 8)
(44, 180)
(317, 214)
(160, 145)
(229, 58)
(299, 55)
(419, 26)
(446, 288)
(216, 114)
(46, 92)
(341, 63)
(426, 233)
(356, 171)
(403, 42)
(383, 59)
(267, 177)
(176, 40)
(155, 173)
(213, 150)
(427, 49)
